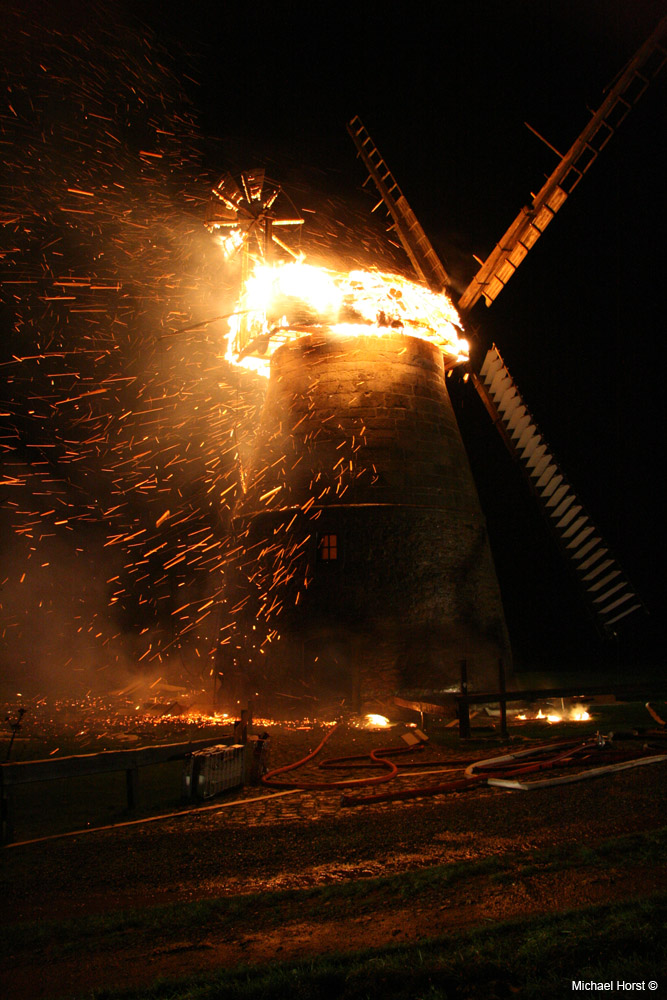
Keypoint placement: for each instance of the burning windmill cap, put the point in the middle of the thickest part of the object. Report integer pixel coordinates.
(282, 300)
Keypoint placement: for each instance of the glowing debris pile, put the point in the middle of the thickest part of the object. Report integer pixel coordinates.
(573, 713)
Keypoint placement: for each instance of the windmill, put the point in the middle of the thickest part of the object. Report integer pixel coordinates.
(608, 593)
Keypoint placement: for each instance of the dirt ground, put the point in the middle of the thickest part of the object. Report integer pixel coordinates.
(306, 839)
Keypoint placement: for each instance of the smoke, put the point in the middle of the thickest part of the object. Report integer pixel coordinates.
(55, 630)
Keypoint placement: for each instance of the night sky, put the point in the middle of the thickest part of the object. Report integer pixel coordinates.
(444, 89)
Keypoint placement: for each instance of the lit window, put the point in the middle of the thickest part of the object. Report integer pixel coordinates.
(328, 547)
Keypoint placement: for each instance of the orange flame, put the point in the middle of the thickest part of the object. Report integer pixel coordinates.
(285, 301)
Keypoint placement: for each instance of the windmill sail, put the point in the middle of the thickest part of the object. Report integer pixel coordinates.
(243, 215)
(532, 220)
(423, 257)
(607, 591)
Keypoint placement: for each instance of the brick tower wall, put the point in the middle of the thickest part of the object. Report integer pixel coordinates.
(358, 441)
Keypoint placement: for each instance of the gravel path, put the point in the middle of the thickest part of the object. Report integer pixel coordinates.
(306, 839)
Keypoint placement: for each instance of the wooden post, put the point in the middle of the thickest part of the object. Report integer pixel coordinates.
(132, 786)
(241, 725)
(7, 834)
(356, 658)
(503, 699)
(464, 708)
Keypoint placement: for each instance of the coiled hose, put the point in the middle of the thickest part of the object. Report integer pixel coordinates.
(504, 771)
(378, 757)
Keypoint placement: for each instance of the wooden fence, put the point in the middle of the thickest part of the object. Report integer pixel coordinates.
(59, 768)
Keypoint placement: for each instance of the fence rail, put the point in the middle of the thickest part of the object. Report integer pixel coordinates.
(105, 762)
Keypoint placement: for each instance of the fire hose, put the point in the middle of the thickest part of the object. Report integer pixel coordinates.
(502, 771)
(494, 771)
(505, 771)
(616, 760)
(378, 758)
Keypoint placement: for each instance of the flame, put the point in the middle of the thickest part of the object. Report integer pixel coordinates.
(377, 721)
(230, 242)
(575, 713)
(281, 302)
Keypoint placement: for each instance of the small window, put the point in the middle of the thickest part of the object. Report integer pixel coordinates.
(328, 548)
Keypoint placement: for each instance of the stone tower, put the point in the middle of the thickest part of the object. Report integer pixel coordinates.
(362, 532)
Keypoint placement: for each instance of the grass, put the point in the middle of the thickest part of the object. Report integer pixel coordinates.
(367, 895)
(535, 958)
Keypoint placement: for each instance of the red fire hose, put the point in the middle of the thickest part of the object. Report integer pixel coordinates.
(376, 757)
(503, 772)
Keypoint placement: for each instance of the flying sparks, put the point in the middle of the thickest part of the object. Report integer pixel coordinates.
(118, 461)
